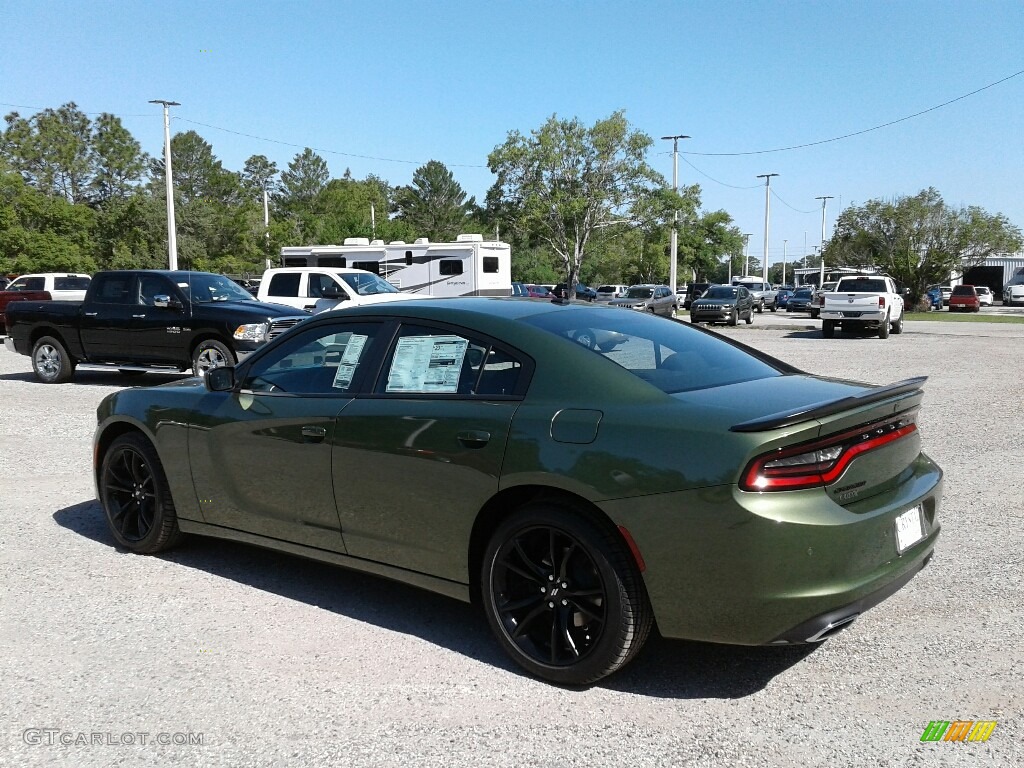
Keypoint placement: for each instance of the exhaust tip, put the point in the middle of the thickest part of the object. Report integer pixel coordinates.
(832, 628)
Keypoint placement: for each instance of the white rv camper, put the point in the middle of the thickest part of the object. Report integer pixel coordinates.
(468, 267)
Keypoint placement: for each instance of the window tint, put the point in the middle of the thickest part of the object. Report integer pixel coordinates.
(151, 286)
(450, 266)
(70, 283)
(722, 292)
(113, 289)
(431, 361)
(863, 285)
(284, 284)
(323, 361)
(319, 282)
(672, 356)
(369, 266)
(490, 263)
(964, 290)
(368, 285)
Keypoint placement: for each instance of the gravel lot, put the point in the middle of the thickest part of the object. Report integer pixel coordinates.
(273, 661)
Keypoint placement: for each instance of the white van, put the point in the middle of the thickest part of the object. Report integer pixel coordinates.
(62, 286)
(317, 289)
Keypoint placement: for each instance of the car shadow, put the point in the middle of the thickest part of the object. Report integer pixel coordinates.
(808, 334)
(104, 378)
(665, 668)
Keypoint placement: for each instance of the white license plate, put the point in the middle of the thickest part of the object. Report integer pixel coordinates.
(909, 530)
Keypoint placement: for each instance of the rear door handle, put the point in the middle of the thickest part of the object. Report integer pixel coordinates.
(91, 314)
(474, 438)
(314, 434)
(139, 316)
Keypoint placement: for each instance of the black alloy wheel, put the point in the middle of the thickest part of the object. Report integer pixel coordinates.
(136, 497)
(564, 596)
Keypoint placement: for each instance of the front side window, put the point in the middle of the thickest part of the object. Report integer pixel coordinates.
(205, 287)
(327, 360)
(151, 286)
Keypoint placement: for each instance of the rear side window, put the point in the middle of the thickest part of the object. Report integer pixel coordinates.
(672, 356)
(284, 284)
(70, 283)
(113, 289)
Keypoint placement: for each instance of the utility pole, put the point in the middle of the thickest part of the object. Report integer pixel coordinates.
(674, 248)
(266, 222)
(746, 254)
(767, 207)
(824, 199)
(785, 253)
(172, 238)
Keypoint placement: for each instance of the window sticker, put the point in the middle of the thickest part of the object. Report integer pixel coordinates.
(427, 364)
(349, 361)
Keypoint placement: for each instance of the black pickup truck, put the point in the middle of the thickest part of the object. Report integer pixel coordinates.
(138, 320)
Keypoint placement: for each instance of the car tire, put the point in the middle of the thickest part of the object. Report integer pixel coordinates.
(563, 595)
(586, 337)
(210, 354)
(883, 328)
(828, 328)
(135, 496)
(51, 362)
(734, 318)
(814, 314)
(760, 306)
(774, 307)
(897, 327)
(750, 317)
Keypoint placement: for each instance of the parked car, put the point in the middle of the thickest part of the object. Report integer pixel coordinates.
(317, 289)
(863, 302)
(1013, 294)
(763, 292)
(934, 297)
(520, 291)
(964, 299)
(947, 291)
(583, 292)
(134, 320)
(723, 304)
(576, 517)
(606, 293)
(6, 297)
(801, 300)
(782, 297)
(62, 286)
(656, 299)
(539, 291)
(985, 297)
(819, 297)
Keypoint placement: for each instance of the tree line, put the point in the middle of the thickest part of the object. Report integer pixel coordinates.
(576, 202)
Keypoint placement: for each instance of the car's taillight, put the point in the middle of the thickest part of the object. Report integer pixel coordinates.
(881, 302)
(822, 462)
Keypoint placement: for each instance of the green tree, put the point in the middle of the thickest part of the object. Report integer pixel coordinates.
(919, 240)
(435, 205)
(567, 181)
(305, 178)
(259, 174)
(52, 151)
(117, 159)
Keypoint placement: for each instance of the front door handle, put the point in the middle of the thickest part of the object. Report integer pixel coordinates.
(139, 317)
(474, 438)
(313, 434)
(91, 314)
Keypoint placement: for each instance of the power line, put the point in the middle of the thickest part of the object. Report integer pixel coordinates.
(858, 133)
(731, 186)
(43, 109)
(776, 196)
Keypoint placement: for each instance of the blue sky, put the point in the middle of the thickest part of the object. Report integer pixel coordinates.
(382, 87)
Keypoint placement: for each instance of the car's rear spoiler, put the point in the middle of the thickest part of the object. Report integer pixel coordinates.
(817, 410)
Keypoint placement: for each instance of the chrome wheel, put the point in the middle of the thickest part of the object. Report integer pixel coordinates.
(211, 354)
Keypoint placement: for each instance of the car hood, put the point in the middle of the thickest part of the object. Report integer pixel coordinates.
(716, 302)
(250, 307)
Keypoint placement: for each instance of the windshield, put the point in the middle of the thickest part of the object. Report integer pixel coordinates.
(721, 292)
(205, 288)
(670, 355)
(803, 293)
(368, 284)
(639, 292)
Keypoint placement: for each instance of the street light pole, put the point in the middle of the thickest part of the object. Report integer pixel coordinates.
(767, 207)
(785, 254)
(172, 238)
(674, 248)
(824, 198)
(266, 223)
(746, 253)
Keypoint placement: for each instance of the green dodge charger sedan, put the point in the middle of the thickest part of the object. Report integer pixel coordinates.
(581, 473)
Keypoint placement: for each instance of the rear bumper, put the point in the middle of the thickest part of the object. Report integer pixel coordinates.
(860, 317)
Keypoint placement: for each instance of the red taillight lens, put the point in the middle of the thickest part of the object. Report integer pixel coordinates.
(822, 462)
(881, 302)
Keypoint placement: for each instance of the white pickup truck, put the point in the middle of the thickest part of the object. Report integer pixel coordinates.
(863, 301)
(317, 289)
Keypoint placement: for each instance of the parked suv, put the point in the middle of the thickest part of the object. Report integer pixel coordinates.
(606, 293)
(1013, 294)
(723, 304)
(964, 299)
(657, 299)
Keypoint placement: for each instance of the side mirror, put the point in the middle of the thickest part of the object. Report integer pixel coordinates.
(165, 301)
(220, 379)
(335, 294)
